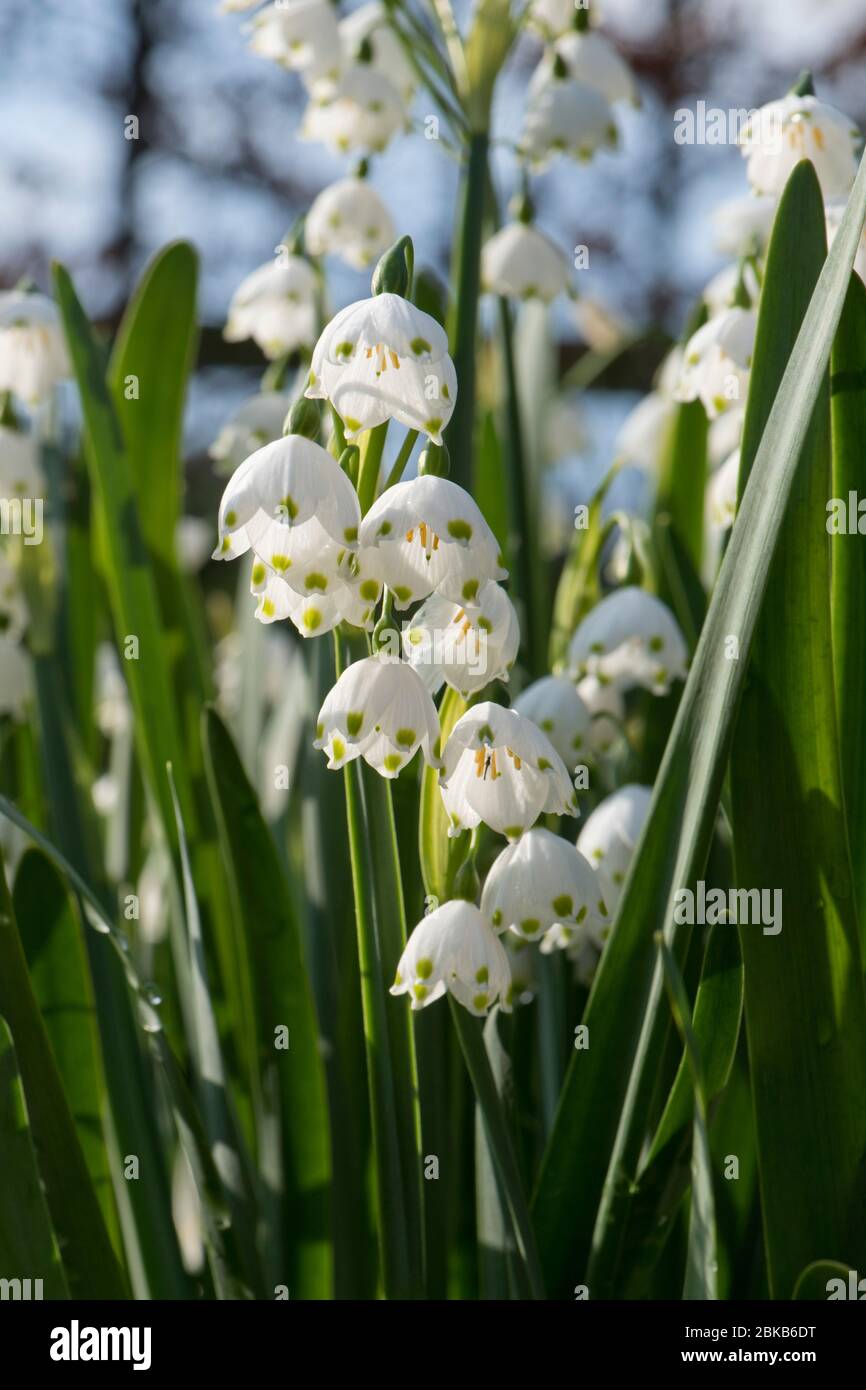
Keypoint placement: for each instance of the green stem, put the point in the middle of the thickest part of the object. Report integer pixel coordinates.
(464, 312)
(402, 459)
(498, 1139)
(371, 462)
(399, 1278)
(528, 566)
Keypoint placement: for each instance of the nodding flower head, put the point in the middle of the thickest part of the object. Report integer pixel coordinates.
(275, 306)
(521, 262)
(348, 219)
(379, 710)
(464, 647)
(716, 361)
(629, 639)
(33, 356)
(381, 359)
(455, 949)
(432, 536)
(555, 706)
(502, 770)
(609, 838)
(540, 882)
(796, 127)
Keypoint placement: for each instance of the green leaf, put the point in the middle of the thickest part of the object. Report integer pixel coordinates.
(805, 1002)
(701, 1258)
(282, 999)
(148, 372)
(28, 1246)
(848, 409)
(603, 1110)
(51, 936)
(91, 1268)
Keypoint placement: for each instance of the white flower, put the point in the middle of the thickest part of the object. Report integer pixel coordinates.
(540, 882)
(722, 493)
(630, 638)
(362, 112)
(431, 535)
(259, 420)
(565, 116)
(370, 23)
(742, 225)
(14, 614)
(644, 431)
(717, 360)
(193, 543)
(607, 714)
(833, 213)
(521, 261)
(378, 710)
(33, 356)
(719, 292)
(609, 838)
(382, 358)
(352, 590)
(349, 220)
(302, 34)
(783, 132)
(292, 504)
(15, 677)
(591, 58)
(455, 948)
(112, 707)
(462, 646)
(276, 306)
(502, 770)
(724, 435)
(555, 706)
(20, 468)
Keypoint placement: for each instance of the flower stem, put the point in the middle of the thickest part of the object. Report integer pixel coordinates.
(527, 560)
(391, 1080)
(402, 459)
(464, 313)
(372, 445)
(498, 1139)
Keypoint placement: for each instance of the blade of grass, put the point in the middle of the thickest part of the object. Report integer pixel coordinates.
(805, 1002)
(610, 1079)
(282, 1000)
(28, 1245)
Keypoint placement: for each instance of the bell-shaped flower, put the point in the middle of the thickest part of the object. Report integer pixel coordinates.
(521, 262)
(630, 639)
(607, 715)
(14, 613)
(20, 467)
(300, 34)
(717, 360)
(591, 58)
(382, 358)
(741, 225)
(721, 290)
(292, 504)
(501, 769)
(454, 948)
(464, 647)
(362, 111)
(431, 535)
(783, 132)
(643, 433)
(540, 882)
(368, 25)
(609, 838)
(555, 706)
(565, 116)
(722, 493)
(348, 219)
(379, 710)
(258, 420)
(346, 588)
(16, 677)
(33, 356)
(723, 437)
(276, 307)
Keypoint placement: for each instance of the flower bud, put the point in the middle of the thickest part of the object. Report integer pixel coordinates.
(393, 273)
(304, 419)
